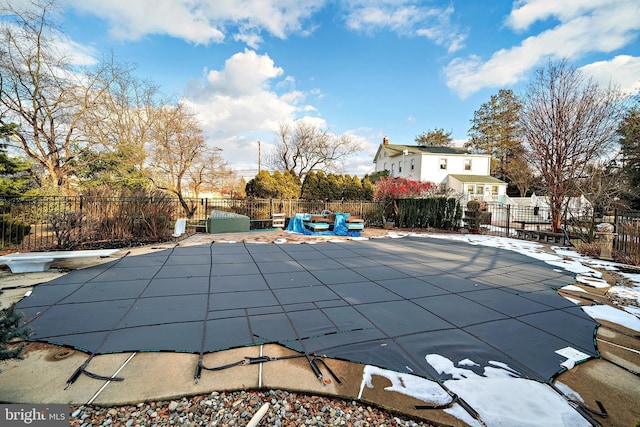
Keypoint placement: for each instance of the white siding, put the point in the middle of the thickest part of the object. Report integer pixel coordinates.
(430, 166)
(427, 165)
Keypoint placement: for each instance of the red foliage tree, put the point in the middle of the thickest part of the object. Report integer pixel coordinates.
(389, 189)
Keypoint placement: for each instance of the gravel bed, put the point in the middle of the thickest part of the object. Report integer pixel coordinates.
(236, 409)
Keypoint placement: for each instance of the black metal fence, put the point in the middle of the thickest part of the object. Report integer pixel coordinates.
(260, 211)
(42, 223)
(60, 222)
(506, 220)
(627, 228)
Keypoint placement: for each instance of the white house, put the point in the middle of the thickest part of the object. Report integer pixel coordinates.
(449, 167)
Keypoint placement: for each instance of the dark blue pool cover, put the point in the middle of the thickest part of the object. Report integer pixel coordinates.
(382, 302)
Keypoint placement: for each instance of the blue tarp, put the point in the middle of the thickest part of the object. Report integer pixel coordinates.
(296, 224)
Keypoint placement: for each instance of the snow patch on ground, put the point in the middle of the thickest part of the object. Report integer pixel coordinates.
(409, 385)
(573, 300)
(573, 288)
(516, 402)
(633, 310)
(568, 391)
(501, 398)
(626, 293)
(613, 315)
(592, 281)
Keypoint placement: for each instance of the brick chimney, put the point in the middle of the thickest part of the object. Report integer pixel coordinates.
(385, 141)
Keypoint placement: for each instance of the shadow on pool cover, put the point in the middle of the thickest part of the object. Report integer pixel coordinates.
(386, 302)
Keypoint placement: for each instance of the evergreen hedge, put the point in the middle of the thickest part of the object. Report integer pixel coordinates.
(443, 213)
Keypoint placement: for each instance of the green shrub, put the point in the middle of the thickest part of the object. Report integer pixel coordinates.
(473, 205)
(473, 216)
(434, 212)
(10, 332)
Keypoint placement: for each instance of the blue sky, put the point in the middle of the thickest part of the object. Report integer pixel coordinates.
(368, 68)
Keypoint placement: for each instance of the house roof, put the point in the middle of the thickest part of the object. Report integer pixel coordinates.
(394, 150)
(483, 179)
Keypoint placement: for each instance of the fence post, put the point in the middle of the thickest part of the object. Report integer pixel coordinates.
(81, 219)
(508, 231)
(616, 230)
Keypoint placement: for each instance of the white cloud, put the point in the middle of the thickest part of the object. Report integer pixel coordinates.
(243, 74)
(201, 21)
(622, 71)
(527, 12)
(246, 101)
(443, 32)
(362, 163)
(369, 17)
(459, 142)
(407, 18)
(237, 105)
(205, 21)
(77, 53)
(585, 27)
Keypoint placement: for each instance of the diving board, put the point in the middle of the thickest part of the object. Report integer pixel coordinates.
(29, 262)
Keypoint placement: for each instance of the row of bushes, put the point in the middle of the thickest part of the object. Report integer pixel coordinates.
(443, 213)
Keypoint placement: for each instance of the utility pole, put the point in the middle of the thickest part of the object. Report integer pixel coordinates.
(259, 146)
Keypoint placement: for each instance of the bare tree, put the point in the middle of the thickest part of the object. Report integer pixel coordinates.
(42, 91)
(209, 173)
(567, 122)
(601, 186)
(520, 174)
(303, 147)
(121, 126)
(178, 148)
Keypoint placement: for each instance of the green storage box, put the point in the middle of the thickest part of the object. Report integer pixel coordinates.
(227, 222)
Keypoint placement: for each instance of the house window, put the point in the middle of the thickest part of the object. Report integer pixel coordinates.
(443, 164)
(467, 164)
(480, 190)
(413, 164)
(385, 166)
(393, 168)
(399, 167)
(494, 190)
(470, 188)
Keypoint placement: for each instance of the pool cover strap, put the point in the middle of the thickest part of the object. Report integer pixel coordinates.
(582, 407)
(249, 361)
(82, 370)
